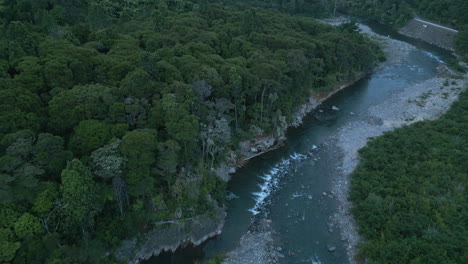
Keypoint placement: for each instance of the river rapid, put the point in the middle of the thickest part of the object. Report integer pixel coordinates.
(289, 205)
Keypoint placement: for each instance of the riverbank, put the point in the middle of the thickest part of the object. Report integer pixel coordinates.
(426, 100)
(257, 245)
(180, 233)
(170, 235)
(252, 148)
(414, 102)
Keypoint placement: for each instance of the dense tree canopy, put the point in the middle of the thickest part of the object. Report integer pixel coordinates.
(115, 112)
(409, 195)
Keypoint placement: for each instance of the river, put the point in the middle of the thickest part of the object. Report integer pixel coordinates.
(293, 185)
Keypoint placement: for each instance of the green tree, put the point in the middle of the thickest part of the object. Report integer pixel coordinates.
(22, 41)
(8, 245)
(57, 74)
(138, 84)
(461, 42)
(17, 172)
(108, 163)
(21, 109)
(81, 203)
(50, 154)
(70, 107)
(168, 156)
(89, 135)
(28, 226)
(139, 148)
(30, 75)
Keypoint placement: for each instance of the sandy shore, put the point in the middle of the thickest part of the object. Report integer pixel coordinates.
(426, 100)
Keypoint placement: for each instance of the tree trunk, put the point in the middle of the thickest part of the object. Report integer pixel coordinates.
(120, 192)
(261, 106)
(235, 111)
(203, 152)
(334, 9)
(212, 159)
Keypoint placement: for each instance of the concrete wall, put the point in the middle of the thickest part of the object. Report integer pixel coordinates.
(437, 35)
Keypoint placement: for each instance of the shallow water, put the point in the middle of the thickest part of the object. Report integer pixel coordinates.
(292, 184)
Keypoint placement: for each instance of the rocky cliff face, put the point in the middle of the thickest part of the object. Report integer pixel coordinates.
(249, 149)
(170, 235)
(431, 33)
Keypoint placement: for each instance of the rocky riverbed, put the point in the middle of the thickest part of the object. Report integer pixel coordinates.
(259, 246)
(426, 100)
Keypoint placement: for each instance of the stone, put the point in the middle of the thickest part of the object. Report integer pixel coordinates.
(254, 150)
(335, 108)
(279, 249)
(331, 248)
(280, 255)
(351, 113)
(373, 120)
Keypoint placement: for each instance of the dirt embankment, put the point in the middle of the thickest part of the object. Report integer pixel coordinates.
(431, 33)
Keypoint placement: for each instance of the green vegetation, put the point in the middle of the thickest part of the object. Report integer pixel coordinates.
(409, 192)
(114, 112)
(396, 13)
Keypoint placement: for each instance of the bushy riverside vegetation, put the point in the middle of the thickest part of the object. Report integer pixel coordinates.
(409, 192)
(114, 112)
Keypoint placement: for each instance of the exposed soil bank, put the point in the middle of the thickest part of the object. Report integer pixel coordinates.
(431, 33)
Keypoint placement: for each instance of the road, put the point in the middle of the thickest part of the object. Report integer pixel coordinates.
(435, 25)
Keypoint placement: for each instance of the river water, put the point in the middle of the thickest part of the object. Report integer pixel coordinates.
(292, 185)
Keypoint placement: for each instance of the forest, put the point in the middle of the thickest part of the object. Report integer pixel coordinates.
(409, 192)
(394, 13)
(115, 112)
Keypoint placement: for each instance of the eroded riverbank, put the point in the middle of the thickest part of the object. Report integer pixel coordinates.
(414, 101)
(426, 100)
(301, 207)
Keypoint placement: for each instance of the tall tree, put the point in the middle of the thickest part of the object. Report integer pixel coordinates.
(139, 148)
(81, 203)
